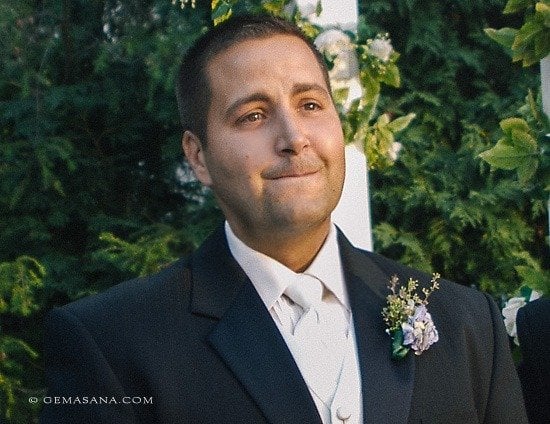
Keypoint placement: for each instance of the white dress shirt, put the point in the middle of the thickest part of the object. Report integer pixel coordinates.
(271, 278)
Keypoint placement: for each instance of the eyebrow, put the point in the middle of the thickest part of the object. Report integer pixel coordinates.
(262, 97)
(302, 88)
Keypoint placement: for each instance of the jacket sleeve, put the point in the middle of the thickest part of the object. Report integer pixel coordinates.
(505, 403)
(82, 387)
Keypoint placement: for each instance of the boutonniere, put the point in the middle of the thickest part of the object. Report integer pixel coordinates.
(409, 323)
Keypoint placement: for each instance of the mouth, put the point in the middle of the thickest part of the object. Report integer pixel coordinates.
(290, 171)
(295, 174)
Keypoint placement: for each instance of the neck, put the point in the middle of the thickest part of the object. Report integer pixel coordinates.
(295, 250)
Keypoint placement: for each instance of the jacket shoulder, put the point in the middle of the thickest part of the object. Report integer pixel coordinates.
(404, 272)
(138, 294)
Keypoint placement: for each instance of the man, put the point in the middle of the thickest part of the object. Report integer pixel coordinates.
(227, 335)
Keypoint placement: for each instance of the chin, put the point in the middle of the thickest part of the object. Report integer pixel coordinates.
(308, 219)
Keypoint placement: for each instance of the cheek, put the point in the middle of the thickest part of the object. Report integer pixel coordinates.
(237, 170)
(328, 132)
(240, 157)
(333, 150)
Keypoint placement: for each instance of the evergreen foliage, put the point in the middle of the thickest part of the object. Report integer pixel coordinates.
(441, 208)
(93, 188)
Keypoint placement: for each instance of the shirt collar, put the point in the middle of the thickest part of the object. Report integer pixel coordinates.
(271, 278)
(327, 267)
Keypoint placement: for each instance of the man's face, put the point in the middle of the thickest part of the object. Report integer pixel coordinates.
(274, 154)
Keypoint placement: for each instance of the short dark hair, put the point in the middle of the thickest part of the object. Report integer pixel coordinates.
(193, 91)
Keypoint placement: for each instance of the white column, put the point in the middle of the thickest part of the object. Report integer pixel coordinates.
(352, 214)
(340, 13)
(545, 83)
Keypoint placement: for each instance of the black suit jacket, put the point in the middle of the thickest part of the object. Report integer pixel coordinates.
(198, 344)
(533, 322)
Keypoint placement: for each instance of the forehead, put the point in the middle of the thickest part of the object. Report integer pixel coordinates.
(251, 63)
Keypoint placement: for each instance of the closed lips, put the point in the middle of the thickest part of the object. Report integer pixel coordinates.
(293, 171)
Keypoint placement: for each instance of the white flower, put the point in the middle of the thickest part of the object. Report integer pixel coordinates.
(394, 150)
(333, 42)
(345, 70)
(345, 66)
(381, 48)
(307, 7)
(510, 312)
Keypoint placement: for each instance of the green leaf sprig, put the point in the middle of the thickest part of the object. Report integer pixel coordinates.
(530, 43)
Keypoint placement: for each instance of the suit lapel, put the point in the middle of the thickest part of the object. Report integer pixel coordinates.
(246, 338)
(387, 385)
(249, 342)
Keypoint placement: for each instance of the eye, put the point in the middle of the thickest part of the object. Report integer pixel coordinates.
(251, 118)
(311, 106)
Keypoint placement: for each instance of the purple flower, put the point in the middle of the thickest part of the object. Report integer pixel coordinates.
(419, 331)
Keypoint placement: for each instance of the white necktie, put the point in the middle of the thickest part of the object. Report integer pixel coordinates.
(320, 337)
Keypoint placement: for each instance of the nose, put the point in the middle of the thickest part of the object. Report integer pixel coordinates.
(291, 135)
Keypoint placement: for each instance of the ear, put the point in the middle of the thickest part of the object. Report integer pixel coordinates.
(194, 152)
